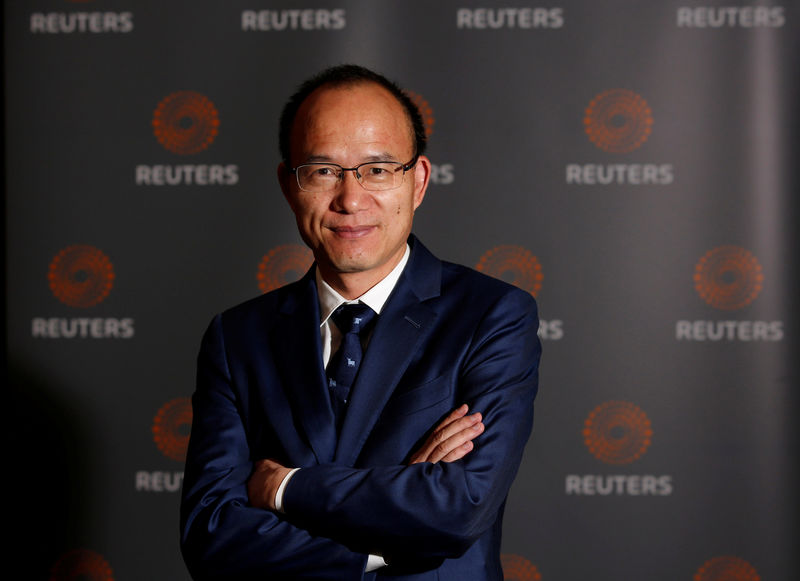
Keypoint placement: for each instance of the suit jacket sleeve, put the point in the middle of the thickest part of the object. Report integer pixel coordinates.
(222, 537)
(438, 510)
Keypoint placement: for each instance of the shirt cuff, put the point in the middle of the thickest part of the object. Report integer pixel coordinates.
(281, 488)
(374, 562)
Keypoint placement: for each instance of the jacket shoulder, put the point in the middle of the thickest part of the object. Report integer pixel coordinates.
(458, 279)
(264, 308)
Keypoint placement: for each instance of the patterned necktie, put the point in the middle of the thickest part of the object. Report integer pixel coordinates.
(352, 319)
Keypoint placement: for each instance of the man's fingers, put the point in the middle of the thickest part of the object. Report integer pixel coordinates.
(452, 433)
(452, 438)
(446, 431)
(422, 454)
(453, 447)
(453, 416)
(459, 452)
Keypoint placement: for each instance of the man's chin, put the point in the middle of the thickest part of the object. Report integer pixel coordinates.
(351, 266)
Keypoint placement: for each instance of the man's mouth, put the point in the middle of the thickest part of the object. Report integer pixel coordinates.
(351, 231)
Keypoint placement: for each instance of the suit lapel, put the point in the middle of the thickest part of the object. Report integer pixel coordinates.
(402, 325)
(296, 341)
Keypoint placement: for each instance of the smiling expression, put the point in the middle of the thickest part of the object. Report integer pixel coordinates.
(357, 236)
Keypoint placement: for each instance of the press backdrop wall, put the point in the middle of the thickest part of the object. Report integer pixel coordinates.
(631, 164)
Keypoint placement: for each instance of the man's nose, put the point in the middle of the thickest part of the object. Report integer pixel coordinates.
(350, 196)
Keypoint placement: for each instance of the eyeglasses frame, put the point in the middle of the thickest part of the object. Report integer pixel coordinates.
(406, 167)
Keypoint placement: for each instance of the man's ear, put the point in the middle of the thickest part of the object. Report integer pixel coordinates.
(422, 176)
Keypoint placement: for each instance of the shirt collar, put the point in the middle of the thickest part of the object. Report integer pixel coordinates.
(374, 298)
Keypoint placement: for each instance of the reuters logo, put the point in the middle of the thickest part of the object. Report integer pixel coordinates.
(186, 122)
(171, 428)
(618, 121)
(81, 564)
(425, 110)
(617, 432)
(728, 278)
(282, 265)
(518, 568)
(80, 276)
(726, 569)
(515, 265)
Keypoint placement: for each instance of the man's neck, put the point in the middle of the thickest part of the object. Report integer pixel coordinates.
(352, 285)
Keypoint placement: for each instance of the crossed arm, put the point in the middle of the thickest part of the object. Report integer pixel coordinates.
(450, 441)
(434, 507)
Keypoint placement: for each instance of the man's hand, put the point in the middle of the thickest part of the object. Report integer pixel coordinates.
(264, 483)
(452, 439)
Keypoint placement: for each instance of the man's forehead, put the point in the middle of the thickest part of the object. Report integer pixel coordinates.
(364, 112)
(366, 98)
(356, 90)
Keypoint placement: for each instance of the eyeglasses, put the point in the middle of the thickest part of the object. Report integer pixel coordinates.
(374, 176)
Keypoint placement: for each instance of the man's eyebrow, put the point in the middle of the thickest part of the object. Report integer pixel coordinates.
(318, 158)
(385, 156)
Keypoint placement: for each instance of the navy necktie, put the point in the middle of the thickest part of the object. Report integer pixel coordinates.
(352, 319)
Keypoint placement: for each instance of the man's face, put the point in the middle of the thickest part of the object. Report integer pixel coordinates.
(355, 234)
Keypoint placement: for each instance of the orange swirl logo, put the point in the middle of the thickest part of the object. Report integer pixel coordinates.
(186, 122)
(282, 265)
(425, 110)
(518, 568)
(81, 564)
(617, 432)
(726, 569)
(618, 121)
(728, 278)
(80, 276)
(171, 428)
(515, 265)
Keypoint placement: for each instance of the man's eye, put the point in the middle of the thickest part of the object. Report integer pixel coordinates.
(380, 171)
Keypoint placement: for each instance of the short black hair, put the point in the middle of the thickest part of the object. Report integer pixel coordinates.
(342, 76)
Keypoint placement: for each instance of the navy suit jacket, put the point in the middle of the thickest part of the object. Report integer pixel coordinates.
(447, 335)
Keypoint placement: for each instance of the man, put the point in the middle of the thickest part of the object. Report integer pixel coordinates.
(324, 449)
